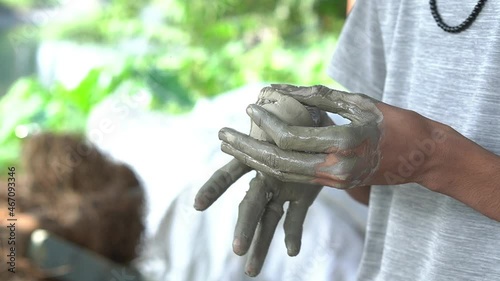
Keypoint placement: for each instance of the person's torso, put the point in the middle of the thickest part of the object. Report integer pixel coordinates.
(413, 233)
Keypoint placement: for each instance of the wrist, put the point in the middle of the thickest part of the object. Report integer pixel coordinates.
(418, 152)
(456, 161)
(436, 148)
(466, 172)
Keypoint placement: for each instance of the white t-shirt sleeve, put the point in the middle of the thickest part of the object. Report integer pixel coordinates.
(358, 63)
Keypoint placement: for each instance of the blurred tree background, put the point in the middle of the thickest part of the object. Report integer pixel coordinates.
(177, 51)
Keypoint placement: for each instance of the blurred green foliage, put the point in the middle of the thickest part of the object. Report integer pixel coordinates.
(29, 4)
(196, 49)
(219, 45)
(30, 106)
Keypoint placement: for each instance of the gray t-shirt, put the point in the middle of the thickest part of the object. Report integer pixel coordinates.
(394, 51)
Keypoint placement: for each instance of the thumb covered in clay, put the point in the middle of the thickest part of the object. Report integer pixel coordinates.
(285, 108)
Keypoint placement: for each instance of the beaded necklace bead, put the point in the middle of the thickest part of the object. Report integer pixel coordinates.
(458, 28)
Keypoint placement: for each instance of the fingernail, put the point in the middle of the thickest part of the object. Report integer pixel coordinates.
(251, 270)
(224, 147)
(199, 204)
(292, 251)
(250, 273)
(237, 247)
(250, 110)
(236, 243)
(222, 134)
(255, 112)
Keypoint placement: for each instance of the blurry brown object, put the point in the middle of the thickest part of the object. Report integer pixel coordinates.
(76, 192)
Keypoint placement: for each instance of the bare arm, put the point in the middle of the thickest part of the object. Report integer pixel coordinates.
(360, 194)
(465, 171)
(460, 169)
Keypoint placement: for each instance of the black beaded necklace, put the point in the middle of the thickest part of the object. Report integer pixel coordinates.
(458, 28)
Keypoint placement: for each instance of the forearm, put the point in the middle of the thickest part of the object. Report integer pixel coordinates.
(360, 194)
(465, 171)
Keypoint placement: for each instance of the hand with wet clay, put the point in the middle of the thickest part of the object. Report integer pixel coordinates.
(364, 152)
(262, 207)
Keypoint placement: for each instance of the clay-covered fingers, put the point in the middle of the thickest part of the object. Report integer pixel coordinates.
(270, 159)
(250, 211)
(272, 156)
(265, 168)
(218, 183)
(330, 169)
(294, 220)
(356, 107)
(310, 139)
(263, 237)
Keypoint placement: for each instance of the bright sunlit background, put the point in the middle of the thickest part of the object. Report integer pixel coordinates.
(150, 83)
(60, 58)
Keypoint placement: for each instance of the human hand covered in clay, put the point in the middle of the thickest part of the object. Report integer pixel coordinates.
(262, 206)
(366, 151)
